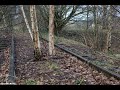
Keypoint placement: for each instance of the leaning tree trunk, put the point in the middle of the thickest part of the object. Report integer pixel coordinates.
(26, 21)
(51, 30)
(37, 51)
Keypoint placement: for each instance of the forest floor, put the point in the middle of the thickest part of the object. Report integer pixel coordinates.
(4, 56)
(109, 61)
(101, 59)
(4, 65)
(61, 69)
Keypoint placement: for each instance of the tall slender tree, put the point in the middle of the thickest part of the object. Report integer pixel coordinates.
(104, 26)
(95, 27)
(36, 41)
(26, 21)
(108, 36)
(51, 30)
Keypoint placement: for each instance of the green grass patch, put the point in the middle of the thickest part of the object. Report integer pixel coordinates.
(52, 66)
(79, 81)
(62, 40)
(106, 64)
(30, 82)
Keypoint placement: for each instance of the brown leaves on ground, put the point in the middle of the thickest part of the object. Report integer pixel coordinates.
(4, 68)
(67, 70)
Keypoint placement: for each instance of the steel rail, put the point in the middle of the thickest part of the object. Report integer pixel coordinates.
(106, 71)
(11, 76)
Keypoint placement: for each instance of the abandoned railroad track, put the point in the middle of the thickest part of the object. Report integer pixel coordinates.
(7, 59)
(12, 68)
(85, 58)
(51, 70)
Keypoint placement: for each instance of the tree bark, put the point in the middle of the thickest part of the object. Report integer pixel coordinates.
(26, 21)
(108, 36)
(37, 50)
(5, 23)
(104, 27)
(104, 18)
(51, 30)
(95, 27)
(87, 25)
(87, 17)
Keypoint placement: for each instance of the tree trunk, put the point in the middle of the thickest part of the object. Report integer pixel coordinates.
(26, 21)
(104, 27)
(104, 18)
(5, 23)
(95, 27)
(108, 36)
(51, 30)
(37, 51)
(87, 25)
(87, 17)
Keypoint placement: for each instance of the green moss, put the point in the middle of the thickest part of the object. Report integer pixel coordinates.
(52, 66)
(30, 82)
(79, 81)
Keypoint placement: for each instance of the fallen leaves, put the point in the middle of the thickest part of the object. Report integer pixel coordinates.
(4, 70)
(69, 68)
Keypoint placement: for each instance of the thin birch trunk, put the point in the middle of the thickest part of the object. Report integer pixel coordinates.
(86, 41)
(51, 30)
(37, 32)
(108, 36)
(87, 17)
(95, 27)
(5, 23)
(37, 51)
(104, 27)
(26, 21)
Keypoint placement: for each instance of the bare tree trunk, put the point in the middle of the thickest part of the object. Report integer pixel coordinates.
(51, 30)
(104, 27)
(86, 31)
(114, 12)
(37, 32)
(26, 21)
(87, 17)
(104, 18)
(87, 26)
(5, 23)
(37, 51)
(95, 27)
(4, 19)
(108, 36)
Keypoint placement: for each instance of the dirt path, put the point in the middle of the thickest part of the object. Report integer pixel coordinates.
(63, 69)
